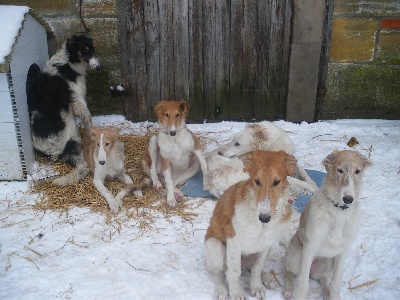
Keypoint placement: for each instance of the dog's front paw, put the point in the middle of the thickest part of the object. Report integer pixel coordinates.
(268, 280)
(157, 185)
(138, 193)
(171, 202)
(221, 293)
(178, 195)
(114, 204)
(258, 291)
(238, 296)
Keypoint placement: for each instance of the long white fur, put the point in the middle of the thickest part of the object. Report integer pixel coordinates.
(227, 169)
(328, 226)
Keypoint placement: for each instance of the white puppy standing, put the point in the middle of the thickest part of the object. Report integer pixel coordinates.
(328, 226)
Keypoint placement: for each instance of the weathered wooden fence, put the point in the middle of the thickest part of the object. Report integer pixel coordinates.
(227, 58)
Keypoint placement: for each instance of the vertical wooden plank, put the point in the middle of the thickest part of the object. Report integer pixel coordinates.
(151, 27)
(196, 91)
(273, 78)
(262, 49)
(167, 74)
(236, 67)
(181, 48)
(249, 59)
(222, 44)
(286, 29)
(324, 60)
(139, 54)
(125, 12)
(209, 58)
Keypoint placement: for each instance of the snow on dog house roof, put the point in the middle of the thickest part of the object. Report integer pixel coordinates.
(12, 19)
(23, 41)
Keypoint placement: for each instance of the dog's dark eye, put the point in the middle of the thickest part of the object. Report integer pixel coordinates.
(107, 144)
(358, 171)
(340, 171)
(276, 182)
(177, 115)
(237, 144)
(167, 115)
(257, 182)
(98, 145)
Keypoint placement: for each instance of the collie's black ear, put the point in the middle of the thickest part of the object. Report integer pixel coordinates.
(72, 48)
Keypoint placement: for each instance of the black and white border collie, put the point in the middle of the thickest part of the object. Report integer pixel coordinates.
(57, 95)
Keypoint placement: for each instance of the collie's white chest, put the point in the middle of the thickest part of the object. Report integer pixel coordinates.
(177, 149)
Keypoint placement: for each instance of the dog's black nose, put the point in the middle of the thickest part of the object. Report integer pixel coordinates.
(102, 162)
(172, 133)
(264, 218)
(220, 153)
(348, 199)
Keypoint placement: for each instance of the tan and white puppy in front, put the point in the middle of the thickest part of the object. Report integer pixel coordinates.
(235, 229)
(174, 154)
(328, 226)
(105, 156)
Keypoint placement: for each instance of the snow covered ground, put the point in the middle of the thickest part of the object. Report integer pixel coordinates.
(45, 255)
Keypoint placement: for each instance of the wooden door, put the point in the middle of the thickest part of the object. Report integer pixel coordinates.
(227, 58)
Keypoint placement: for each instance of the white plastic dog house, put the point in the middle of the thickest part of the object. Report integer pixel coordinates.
(23, 36)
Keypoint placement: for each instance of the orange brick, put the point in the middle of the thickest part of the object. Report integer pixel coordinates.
(390, 23)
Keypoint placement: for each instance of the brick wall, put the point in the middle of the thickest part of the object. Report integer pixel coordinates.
(364, 66)
(100, 16)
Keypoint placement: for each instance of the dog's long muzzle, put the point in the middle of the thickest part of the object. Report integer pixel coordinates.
(94, 63)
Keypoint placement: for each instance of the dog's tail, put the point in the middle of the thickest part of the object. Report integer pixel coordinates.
(135, 188)
(33, 79)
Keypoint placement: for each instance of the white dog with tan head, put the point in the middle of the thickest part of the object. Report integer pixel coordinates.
(104, 154)
(328, 226)
(174, 154)
(235, 229)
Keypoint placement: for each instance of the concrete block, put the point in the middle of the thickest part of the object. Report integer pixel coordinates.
(362, 91)
(99, 7)
(45, 7)
(353, 40)
(388, 50)
(367, 8)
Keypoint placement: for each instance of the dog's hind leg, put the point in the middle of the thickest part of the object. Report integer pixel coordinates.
(306, 177)
(188, 173)
(215, 255)
(153, 150)
(297, 183)
(204, 168)
(73, 177)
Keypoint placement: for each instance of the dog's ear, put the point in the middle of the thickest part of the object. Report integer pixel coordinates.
(94, 132)
(114, 132)
(159, 108)
(72, 48)
(291, 164)
(183, 106)
(365, 161)
(248, 162)
(329, 161)
(260, 136)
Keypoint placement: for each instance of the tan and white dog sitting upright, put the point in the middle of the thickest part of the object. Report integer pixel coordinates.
(328, 226)
(235, 229)
(174, 154)
(104, 154)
